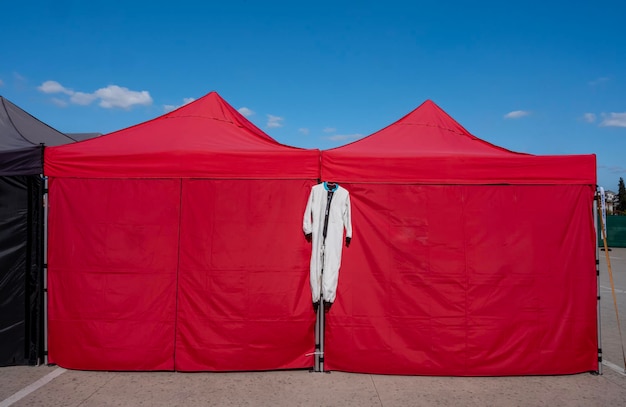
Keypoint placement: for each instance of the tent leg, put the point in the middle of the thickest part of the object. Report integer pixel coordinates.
(322, 321)
(599, 310)
(45, 269)
(319, 337)
(319, 321)
(317, 340)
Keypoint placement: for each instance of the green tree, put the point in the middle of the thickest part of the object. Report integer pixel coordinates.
(621, 196)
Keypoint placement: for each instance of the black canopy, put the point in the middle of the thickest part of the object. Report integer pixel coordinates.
(21, 137)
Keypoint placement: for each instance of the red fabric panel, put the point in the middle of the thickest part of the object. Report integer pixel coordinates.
(204, 139)
(96, 162)
(427, 146)
(467, 280)
(400, 166)
(426, 131)
(244, 297)
(113, 253)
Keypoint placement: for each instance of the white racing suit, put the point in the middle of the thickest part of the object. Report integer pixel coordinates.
(328, 249)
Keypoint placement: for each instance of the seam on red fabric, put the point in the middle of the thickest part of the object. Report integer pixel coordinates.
(180, 215)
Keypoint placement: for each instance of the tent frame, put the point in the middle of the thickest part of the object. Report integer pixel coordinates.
(595, 224)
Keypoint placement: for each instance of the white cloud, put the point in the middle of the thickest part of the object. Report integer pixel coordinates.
(54, 87)
(81, 98)
(169, 108)
(615, 169)
(19, 77)
(304, 131)
(345, 137)
(59, 102)
(117, 96)
(589, 117)
(274, 121)
(111, 96)
(613, 120)
(329, 130)
(245, 111)
(1, 82)
(516, 114)
(599, 81)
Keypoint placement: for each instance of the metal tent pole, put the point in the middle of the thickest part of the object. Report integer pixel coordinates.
(597, 213)
(45, 268)
(317, 340)
(322, 318)
(319, 323)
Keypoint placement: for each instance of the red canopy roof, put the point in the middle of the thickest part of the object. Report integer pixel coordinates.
(207, 138)
(428, 146)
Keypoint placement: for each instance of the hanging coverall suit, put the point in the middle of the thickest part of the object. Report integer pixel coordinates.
(337, 201)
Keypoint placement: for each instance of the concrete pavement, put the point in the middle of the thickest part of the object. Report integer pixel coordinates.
(301, 388)
(20, 385)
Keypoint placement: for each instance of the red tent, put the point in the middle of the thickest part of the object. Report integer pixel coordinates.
(176, 244)
(467, 259)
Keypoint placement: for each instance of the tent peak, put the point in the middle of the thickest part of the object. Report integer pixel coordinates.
(429, 113)
(429, 131)
(213, 106)
(19, 129)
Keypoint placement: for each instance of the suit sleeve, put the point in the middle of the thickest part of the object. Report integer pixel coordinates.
(347, 217)
(307, 221)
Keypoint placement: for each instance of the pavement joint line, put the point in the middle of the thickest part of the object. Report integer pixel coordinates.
(376, 389)
(616, 290)
(614, 367)
(32, 387)
(98, 389)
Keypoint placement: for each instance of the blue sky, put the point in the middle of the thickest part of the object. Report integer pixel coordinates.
(539, 77)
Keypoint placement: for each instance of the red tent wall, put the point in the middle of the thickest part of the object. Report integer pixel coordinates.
(244, 297)
(167, 274)
(471, 261)
(176, 244)
(113, 256)
(466, 280)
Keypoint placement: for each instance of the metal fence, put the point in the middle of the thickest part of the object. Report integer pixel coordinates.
(615, 231)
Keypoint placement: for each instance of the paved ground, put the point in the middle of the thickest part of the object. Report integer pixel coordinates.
(21, 385)
(611, 348)
(296, 388)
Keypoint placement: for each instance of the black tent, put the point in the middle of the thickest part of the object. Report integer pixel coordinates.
(22, 139)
